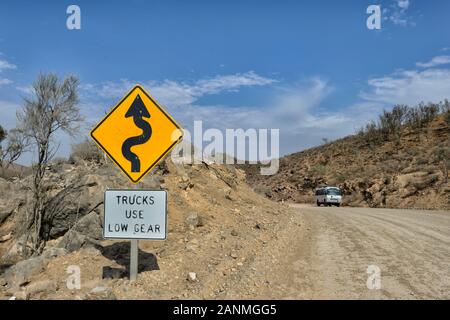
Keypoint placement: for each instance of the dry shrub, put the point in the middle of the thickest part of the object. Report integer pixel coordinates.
(87, 151)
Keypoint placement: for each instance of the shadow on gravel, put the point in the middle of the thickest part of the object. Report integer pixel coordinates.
(120, 253)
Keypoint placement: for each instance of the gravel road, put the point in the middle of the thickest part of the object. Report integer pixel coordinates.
(339, 253)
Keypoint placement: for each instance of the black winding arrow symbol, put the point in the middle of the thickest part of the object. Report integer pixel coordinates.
(138, 111)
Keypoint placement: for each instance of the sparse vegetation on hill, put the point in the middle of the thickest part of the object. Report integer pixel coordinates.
(391, 125)
(399, 161)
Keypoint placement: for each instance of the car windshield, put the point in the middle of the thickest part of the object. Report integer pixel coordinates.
(334, 192)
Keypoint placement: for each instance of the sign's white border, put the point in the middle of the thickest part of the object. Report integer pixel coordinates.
(134, 190)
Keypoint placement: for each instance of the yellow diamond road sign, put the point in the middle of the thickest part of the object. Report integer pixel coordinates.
(137, 133)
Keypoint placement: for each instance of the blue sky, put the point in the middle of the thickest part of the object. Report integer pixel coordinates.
(311, 68)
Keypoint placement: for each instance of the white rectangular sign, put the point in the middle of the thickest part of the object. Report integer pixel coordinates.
(135, 214)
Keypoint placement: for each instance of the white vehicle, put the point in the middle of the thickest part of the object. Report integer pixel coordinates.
(328, 196)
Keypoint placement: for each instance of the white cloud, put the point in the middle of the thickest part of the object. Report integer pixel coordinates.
(4, 82)
(436, 61)
(229, 83)
(5, 65)
(397, 13)
(25, 89)
(410, 87)
(403, 4)
(107, 89)
(178, 94)
(291, 107)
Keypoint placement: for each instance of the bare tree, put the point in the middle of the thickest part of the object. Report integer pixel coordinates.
(52, 108)
(16, 144)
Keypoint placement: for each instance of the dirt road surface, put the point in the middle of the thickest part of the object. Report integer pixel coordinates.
(330, 253)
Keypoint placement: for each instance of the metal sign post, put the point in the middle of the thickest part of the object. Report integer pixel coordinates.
(134, 252)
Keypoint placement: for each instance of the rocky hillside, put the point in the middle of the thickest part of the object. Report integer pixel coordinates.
(406, 169)
(212, 213)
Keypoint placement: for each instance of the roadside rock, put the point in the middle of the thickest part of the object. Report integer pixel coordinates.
(192, 276)
(152, 181)
(21, 272)
(73, 201)
(6, 237)
(101, 293)
(4, 184)
(193, 221)
(90, 225)
(8, 207)
(53, 253)
(14, 253)
(185, 185)
(4, 214)
(67, 206)
(74, 240)
(86, 233)
(44, 286)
